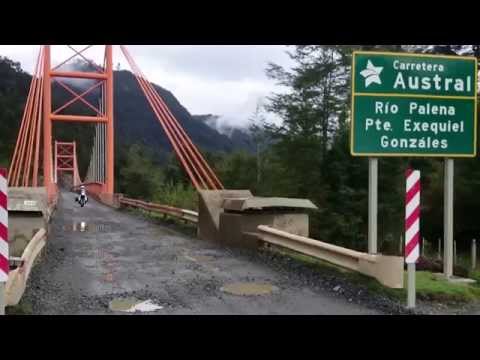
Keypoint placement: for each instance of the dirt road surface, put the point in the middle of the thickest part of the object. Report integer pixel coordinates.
(119, 255)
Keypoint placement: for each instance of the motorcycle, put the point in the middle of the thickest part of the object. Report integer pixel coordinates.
(82, 200)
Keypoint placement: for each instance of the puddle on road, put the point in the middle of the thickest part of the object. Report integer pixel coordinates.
(122, 304)
(83, 226)
(199, 258)
(132, 305)
(249, 289)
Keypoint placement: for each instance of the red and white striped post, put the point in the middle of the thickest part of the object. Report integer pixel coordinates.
(412, 230)
(4, 263)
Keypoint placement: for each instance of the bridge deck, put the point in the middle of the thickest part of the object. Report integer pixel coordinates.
(120, 255)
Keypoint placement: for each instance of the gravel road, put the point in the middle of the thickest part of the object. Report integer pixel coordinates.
(119, 255)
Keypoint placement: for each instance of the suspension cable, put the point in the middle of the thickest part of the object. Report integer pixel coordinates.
(19, 152)
(192, 152)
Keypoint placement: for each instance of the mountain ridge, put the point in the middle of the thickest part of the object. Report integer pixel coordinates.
(135, 121)
(132, 104)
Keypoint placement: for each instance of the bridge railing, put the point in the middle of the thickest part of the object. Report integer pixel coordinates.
(18, 278)
(388, 270)
(187, 215)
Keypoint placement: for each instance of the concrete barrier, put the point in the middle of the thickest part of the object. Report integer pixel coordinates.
(28, 199)
(29, 212)
(210, 206)
(242, 216)
(388, 270)
(233, 226)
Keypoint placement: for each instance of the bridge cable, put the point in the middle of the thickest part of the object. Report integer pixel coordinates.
(179, 153)
(193, 153)
(22, 157)
(178, 128)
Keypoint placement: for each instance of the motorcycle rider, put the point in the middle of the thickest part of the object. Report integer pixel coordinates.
(83, 198)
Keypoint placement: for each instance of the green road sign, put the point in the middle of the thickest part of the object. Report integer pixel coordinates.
(413, 105)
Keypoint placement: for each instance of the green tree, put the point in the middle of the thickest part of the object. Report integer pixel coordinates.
(238, 171)
(260, 140)
(313, 108)
(14, 84)
(311, 145)
(139, 177)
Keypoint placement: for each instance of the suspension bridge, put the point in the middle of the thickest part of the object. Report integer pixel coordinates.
(123, 253)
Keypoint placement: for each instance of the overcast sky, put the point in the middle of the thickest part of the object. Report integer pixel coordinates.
(222, 80)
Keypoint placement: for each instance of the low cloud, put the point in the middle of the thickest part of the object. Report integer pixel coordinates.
(81, 84)
(223, 80)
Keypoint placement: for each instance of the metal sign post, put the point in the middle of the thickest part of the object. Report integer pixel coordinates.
(448, 219)
(412, 230)
(474, 255)
(372, 204)
(411, 290)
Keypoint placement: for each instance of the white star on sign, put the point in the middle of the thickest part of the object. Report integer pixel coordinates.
(371, 74)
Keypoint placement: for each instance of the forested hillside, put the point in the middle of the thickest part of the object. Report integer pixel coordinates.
(14, 84)
(307, 156)
(135, 122)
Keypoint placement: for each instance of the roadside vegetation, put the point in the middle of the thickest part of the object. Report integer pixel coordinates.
(429, 286)
(23, 308)
(307, 155)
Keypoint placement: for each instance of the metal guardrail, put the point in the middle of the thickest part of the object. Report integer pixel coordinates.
(388, 270)
(187, 215)
(17, 279)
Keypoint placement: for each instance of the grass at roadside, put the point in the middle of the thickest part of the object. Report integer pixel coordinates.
(23, 308)
(475, 275)
(429, 287)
